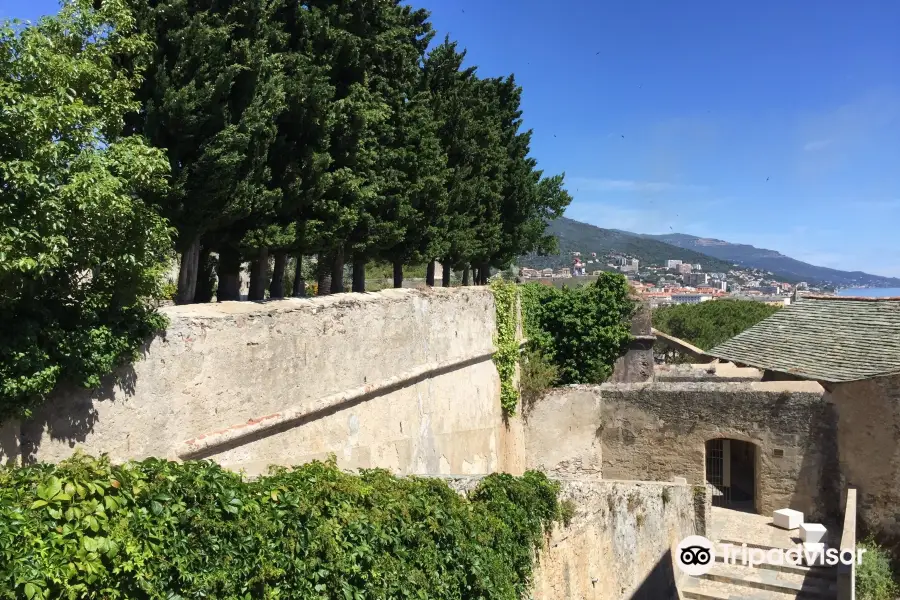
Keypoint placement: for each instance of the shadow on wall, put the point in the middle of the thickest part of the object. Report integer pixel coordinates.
(660, 583)
(820, 464)
(75, 422)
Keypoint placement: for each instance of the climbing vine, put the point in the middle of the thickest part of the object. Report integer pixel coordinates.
(159, 529)
(506, 357)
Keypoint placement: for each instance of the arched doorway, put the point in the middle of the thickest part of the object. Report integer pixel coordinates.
(731, 468)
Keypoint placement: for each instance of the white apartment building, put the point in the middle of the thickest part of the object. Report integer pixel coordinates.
(690, 298)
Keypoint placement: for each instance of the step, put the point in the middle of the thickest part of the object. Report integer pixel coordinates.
(773, 581)
(823, 572)
(694, 588)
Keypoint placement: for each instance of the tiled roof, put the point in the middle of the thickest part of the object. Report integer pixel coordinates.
(826, 338)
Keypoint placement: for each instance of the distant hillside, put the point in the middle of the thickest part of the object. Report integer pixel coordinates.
(584, 238)
(770, 260)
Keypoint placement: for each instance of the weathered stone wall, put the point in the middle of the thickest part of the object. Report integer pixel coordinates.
(618, 545)
(636, 365)
(562, 433)
(868, 416)
(222, 365)
(658, 431)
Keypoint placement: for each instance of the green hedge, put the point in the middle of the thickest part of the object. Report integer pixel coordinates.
(158, 529)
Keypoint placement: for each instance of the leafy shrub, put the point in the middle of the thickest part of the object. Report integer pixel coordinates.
(874, 578)
(536, 376)
(169, 290)
(158, 529)
(581, 331)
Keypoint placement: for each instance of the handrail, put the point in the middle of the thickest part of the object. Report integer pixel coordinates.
(846, 579)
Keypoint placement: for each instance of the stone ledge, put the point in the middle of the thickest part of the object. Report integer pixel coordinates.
(214, 310)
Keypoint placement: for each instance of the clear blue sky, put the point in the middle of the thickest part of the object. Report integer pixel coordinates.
(713, 98)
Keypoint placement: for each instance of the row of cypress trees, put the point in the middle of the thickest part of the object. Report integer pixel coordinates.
(334, 128)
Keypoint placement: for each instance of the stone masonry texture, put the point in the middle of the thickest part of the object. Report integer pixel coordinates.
(220, 365)
(658, 431)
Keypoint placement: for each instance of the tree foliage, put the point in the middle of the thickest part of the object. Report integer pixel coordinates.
(157, 529)
(581, 331)
(80, 252)
(708, 324)
(313, 127)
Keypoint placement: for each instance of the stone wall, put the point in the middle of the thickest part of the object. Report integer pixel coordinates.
(562, 433)
(423, 391)
(868, 415)
(618, 545)
(636, 365)
(658, 431)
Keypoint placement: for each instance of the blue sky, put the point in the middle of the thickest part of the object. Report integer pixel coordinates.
(771, 123)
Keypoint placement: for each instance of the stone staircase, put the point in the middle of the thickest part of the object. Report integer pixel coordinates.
(726, 581)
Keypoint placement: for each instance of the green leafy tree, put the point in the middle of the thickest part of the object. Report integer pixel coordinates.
(80, 253)
(462, 108)
(708, 324)
(581, 331)
(406, 155)
(416, 181)
(210, 100)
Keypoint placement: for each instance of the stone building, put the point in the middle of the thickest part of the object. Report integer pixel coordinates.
(851, 347)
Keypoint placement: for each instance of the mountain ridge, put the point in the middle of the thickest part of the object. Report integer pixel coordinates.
(712, 253)
(748, 255)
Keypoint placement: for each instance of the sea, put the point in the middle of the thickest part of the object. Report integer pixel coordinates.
(871, 292)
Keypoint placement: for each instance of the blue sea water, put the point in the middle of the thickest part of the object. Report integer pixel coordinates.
(871, 292)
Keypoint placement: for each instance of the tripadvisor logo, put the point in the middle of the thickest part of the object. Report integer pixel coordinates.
(695, 555)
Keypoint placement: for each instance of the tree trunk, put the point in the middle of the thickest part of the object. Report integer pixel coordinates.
(359, 273)
(429, 274)
(204, 291)
(229, 271)
(187, 273)
(445, 274)
(337, 272)
(276, 288)
(299, 290)
(323, 272)
(398, 274)
(476, 276)
(259, 276)
(485, 272)
(465, 277)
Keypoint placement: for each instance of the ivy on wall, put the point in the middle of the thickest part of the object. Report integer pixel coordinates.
(506, 357)
(158, 529)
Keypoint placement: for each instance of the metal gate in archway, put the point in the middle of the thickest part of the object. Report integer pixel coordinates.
(715, 472)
